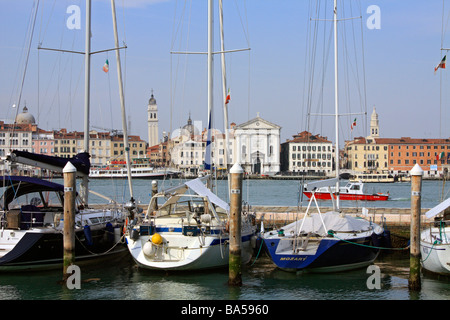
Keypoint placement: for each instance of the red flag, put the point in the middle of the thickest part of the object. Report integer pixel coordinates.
(228, 97)
(441, 64)
(353, 124)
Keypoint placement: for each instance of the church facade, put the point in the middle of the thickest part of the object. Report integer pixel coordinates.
(257, 146)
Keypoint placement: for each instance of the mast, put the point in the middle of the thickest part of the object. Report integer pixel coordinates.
(208, 160)
(122, 100)
(336, 102)
(87, 74)
(224, 87)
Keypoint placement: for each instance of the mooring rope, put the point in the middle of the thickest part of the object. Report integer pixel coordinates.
(331, 233)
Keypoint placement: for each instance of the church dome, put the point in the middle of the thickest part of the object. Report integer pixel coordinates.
(190, 127)
(25, 117)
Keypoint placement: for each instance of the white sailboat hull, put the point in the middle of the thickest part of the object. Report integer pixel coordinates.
(180, 252)
(435, 250)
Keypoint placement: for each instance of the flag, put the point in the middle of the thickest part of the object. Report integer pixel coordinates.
(353, 124)
(440, 156)
(228, 97)
(441, 64)
(106, 66)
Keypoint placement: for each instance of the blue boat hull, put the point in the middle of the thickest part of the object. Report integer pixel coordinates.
(331, 255)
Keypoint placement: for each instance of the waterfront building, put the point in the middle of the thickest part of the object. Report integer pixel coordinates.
(257, 146)
(307, 154)
(396, 156)
(16, 137)
(159, 155)
(43, 142)
(367, 155)
(152, 121)
(68, 144)
(136, 145)
(100, 147)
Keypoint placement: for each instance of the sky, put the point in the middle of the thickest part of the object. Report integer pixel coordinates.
(391, 67)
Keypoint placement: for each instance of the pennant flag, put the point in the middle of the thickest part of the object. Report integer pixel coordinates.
(106, 66)
(353, 124)
(441, 64)
(228, 97)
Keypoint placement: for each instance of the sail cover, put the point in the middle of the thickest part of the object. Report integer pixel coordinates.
(198, 186)
(80, 161)
(438, 209)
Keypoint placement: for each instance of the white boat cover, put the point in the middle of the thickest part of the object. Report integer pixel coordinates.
(438, 209)
(332, 220)
(198, 186)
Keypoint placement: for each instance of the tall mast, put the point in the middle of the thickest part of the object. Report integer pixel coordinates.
(87, 74)
(336, 102)
(208, 160)
(224, 86)
(122, 100)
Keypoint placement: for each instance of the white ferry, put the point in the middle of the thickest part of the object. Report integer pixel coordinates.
(141, 170)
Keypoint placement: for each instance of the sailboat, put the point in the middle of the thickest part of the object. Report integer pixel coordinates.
(189, 230)
(435, 240)
(31, 234)
(330, 241)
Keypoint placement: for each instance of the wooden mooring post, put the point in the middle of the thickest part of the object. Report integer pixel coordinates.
(235, 272)
(154, 192)
(414, 282)
(69, 173)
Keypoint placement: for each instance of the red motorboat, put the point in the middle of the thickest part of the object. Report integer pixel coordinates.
(351, 191)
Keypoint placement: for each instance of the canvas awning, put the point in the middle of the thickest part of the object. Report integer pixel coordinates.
(438, 209)
(198, 187)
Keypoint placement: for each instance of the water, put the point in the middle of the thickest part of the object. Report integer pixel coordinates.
(278, 192)
(262, 281)
(122, 280)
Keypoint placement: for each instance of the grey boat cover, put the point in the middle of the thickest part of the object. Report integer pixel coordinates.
(331, 221)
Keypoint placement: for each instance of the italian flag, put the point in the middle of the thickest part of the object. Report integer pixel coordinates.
(228, 97)
(353, 124)
(106, 66)
(441, 64)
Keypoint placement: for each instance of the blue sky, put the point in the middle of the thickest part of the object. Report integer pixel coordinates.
(270, 78)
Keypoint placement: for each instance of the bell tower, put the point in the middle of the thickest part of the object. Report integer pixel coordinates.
(152, 120)
(374, 124)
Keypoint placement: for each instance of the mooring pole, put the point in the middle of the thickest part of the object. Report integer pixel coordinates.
(69, 173)
(414, 262)
(155, 191)
(235, 274)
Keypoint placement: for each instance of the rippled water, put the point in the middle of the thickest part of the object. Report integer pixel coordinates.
(122, 280)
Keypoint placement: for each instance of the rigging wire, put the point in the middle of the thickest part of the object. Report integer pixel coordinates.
(30, 33)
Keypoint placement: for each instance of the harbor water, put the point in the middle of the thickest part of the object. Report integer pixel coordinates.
(121, 279)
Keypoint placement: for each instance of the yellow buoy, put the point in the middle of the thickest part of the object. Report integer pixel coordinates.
(157, 239)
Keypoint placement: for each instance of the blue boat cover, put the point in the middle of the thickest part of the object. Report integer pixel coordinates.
(81, 161)
(19, 185)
